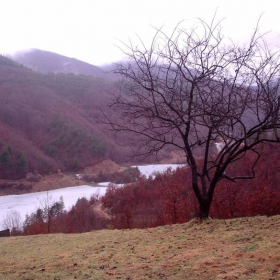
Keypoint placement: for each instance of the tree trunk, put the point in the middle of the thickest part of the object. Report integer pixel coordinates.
(204, 201)
(204, 207)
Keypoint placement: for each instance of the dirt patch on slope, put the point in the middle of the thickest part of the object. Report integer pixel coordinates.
(103, 166)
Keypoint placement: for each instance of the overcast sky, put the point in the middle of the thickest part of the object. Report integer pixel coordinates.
(89, 30)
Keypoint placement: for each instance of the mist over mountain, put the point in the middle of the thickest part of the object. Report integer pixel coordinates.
(49, 62)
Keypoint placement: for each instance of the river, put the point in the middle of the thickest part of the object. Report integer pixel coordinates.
(27, 203)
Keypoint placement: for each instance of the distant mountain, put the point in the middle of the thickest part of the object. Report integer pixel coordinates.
(49, 62)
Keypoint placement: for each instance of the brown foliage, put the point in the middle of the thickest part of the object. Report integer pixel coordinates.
(165, 200)
(151, 202)
(168, 198)
(51, 217)
(260, 196)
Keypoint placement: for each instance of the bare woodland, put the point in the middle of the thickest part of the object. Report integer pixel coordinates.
(203, 94)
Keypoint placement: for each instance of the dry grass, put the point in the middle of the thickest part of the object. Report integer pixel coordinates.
(247, 248)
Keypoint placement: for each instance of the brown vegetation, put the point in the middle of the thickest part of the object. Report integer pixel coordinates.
(165, 200)
(246, 248)
(169, 199)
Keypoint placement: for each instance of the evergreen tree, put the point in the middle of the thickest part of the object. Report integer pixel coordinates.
(22, 164)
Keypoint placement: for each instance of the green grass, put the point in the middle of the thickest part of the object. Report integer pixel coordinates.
(247, 248)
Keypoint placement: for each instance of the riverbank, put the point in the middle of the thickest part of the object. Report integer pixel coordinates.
(28, 203)
(38, 183)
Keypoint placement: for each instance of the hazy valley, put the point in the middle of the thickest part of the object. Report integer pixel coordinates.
(51, 115)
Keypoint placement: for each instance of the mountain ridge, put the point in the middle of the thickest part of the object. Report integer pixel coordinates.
(50, 62)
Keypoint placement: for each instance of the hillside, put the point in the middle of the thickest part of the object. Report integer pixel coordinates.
(246, 248)
(49, 62)
(52, 121)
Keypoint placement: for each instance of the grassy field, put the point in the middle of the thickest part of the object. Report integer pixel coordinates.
(247, 248)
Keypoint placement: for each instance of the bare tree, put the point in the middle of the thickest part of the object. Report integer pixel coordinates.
(213, 100)
(46, 214)
(13, 222)
(50, 210)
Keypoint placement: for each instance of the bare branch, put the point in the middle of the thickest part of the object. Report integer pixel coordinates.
(211, 99)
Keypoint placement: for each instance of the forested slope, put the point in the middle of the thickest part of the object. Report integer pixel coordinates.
(52, 121)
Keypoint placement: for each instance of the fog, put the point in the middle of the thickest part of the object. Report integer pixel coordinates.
(91, 31)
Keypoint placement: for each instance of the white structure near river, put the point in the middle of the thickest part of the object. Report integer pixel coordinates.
(27, 203)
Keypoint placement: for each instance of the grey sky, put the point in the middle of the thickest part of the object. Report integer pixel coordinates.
(89, 30)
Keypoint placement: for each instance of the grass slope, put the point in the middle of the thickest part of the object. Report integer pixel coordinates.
(246, 248)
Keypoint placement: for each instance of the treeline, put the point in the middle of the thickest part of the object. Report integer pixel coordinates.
(51, 217)
(169, 198)
(13, 164)
(165, 199)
